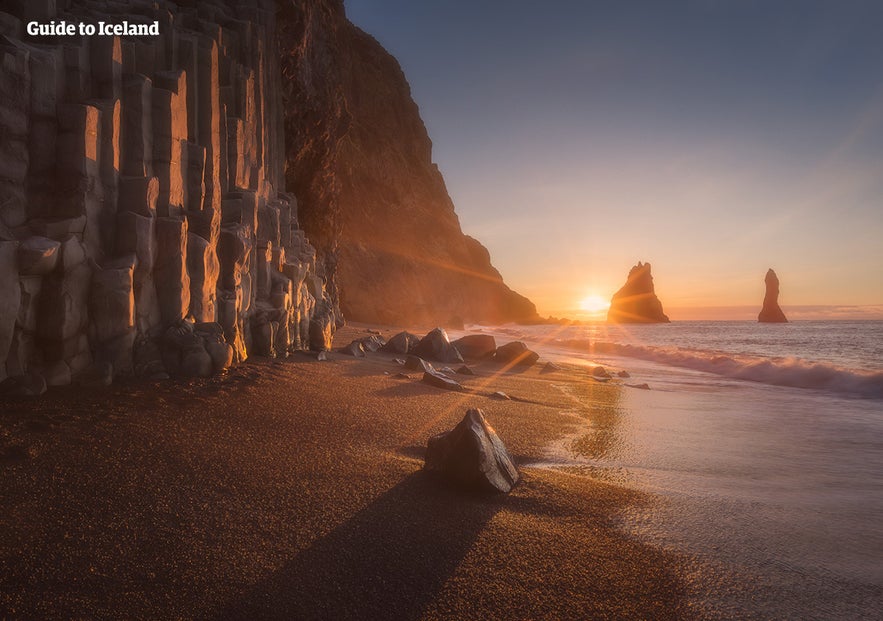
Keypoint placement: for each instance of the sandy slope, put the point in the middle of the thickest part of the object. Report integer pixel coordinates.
(293, 489)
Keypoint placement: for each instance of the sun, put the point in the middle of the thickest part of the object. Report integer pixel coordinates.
(594, 304)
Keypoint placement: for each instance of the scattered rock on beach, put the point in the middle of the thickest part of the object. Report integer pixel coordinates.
(641, 386)
(402, 376)
(402, 343)
(550, 367)
(416, 363)
(441, 381)
(322, 356)
(398, 360)
(600, 372)
(354, 349)
(517, 353)
(623, 374)
(476, 346)
(372, 343)
(464, 370)
(501, 396)
(472, 456)
(27, 385)
(437, 346)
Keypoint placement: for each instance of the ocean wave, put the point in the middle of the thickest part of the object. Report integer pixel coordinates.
(791, 372)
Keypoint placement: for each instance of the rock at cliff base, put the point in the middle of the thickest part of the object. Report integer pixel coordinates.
(27, 385)
(354, 349)
(402, 343)
(439, 380)
(321, 327)
(472, 456)
(476, 346)
(636, 301)
(372, 343)
(437, 346)
(516, 353)
(771, 312)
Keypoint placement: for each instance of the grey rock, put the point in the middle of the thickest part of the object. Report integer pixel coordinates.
(600, 372)
(37, 255)
(640, 386)
(441, 381)
(437, 346)
(550, 367)
(472, 456)
(415, 363)
(476, 346)
(402, 343)
(354, 349)
(623, 374)
(464, 370)
(516, 353)
(27, 385)
(500, 396)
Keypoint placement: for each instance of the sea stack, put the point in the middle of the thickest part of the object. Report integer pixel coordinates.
(771, 312)
(636, 301)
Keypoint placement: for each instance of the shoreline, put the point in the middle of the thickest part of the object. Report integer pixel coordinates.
(294, 488)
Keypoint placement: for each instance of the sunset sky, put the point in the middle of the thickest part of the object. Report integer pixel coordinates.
(712, 138)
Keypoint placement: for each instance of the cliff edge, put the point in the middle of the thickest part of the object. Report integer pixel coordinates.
(369, 195)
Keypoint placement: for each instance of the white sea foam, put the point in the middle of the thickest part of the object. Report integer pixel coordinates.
(792, 372)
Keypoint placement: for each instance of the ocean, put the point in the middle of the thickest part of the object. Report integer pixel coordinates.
(762, 445)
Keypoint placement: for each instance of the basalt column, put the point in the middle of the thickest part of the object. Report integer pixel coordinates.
(142, 224)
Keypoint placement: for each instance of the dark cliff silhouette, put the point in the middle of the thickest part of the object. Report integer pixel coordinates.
(636, 301)
(369, 195)
(771, 313)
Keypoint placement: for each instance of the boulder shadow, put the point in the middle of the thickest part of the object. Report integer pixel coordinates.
(389, 561)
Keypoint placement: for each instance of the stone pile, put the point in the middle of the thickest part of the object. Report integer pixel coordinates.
(142, 226)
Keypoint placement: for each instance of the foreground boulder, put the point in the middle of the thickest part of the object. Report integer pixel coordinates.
(402, 343)
(771, 312)
(516, 353)
(472, 456)
(636, 301)
(437, 346)
(476, 346)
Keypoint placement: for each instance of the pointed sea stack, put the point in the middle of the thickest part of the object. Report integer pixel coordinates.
(636, 301)
(771, 313)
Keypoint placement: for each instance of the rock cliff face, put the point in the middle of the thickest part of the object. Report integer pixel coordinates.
(636, 301)
(360, 162)
(771, 313)
(142, 226)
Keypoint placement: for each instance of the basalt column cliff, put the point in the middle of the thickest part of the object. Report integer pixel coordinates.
(370, 197)
(142, 224)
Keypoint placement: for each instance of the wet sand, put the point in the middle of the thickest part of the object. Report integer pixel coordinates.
(293, 489)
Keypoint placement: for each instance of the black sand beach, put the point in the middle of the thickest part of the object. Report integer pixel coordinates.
(294, 490)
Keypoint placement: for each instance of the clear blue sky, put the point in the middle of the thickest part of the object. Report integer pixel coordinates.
(713, 138)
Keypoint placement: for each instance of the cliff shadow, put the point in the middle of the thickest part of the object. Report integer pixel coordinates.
(389, 561)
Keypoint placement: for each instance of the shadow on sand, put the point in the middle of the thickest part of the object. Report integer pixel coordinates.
(387, 562)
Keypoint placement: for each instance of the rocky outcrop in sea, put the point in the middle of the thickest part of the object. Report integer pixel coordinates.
(636, 301)
(771, 312)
